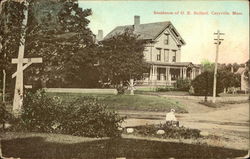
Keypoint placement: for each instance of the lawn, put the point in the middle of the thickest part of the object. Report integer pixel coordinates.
(128, 102)
(41, 145)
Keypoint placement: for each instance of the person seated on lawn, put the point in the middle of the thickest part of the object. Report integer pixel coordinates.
(171, 120)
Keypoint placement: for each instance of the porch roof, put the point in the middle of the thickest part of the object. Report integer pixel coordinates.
(178, 64)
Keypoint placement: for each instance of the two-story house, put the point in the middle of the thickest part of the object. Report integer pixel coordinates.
(162, 52)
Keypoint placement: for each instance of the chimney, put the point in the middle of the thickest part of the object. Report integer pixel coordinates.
(99, 35)
(136, 21)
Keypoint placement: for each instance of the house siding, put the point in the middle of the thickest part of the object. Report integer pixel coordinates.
(151, 54)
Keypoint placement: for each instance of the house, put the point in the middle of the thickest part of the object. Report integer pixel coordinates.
(244, 82)
(162, 52)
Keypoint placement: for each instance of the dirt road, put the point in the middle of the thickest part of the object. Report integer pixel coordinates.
(227, 126)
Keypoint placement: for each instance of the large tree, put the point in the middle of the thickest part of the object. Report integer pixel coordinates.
(121, 59)
(57, 30)
(11, 16)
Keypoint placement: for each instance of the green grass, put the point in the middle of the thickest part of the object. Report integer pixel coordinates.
(128, 102)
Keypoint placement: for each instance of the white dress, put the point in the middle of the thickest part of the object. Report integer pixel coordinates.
(170, 117)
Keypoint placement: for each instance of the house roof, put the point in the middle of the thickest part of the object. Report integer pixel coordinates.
(149, 31)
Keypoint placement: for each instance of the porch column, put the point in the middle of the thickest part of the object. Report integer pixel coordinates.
(151, 73)
(168, 76)
(199, 71)
(155, 73)
(193, 73)
(184, 73)
(181, 72)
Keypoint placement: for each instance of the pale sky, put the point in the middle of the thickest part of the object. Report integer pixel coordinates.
(196, 30)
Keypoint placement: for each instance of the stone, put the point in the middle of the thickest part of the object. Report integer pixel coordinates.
(130, 130)
(204, 133)
(160, 132)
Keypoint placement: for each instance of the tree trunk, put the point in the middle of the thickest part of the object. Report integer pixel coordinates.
(4, 85)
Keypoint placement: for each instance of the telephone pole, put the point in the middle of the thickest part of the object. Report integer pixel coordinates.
(218, 42)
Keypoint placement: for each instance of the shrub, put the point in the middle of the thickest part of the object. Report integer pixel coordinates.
(40, 112)
(183, 84)
(170, 131)
(84, 116)
(87, 117)
(203, 84)
(121, 89)
(5, 116)
(165, 89)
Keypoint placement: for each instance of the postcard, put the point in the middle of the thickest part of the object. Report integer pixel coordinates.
(124, 79)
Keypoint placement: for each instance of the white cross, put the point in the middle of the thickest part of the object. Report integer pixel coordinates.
(18, 95)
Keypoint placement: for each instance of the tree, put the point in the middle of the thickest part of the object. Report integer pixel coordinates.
(203, 84)
(121, 58)
(207, 65)
(11, 16)
(57, 31)
(81, 70)
(229, 79)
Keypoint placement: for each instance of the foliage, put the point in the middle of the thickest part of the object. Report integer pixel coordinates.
(183, 84)
(170, 131)
(121, 58)
(11, 15)
(40, 112)
(87, 117)
(58, 36)
(191, 90)
(203, 84)
(165, 89)
(5, 116)
(57, 31)
(207, 65)
(230, 79)
(82, 116)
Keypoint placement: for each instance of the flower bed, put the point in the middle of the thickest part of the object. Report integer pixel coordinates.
(168, 131)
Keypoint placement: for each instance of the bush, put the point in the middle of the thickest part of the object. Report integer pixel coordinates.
(165, 89)
(5, 116)
(203, 84)
(40, 112)
(84, 116)
(170, 131)
(87, 117)
(183, 84)
(121, 89)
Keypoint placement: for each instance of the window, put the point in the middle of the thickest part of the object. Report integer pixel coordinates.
(166, 55)
(158, 56)
(166, 41)
(174, 56)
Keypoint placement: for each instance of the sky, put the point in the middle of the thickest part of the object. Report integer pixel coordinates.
(196, 30)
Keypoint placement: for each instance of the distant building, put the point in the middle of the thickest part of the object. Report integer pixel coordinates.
(162, 52)
(244, 81)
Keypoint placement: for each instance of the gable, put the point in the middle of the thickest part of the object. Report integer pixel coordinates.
(173, 33)
(149, 31)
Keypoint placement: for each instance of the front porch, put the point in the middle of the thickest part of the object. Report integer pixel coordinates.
(166, 75)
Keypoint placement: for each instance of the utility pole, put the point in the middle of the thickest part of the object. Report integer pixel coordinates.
(218, 42)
